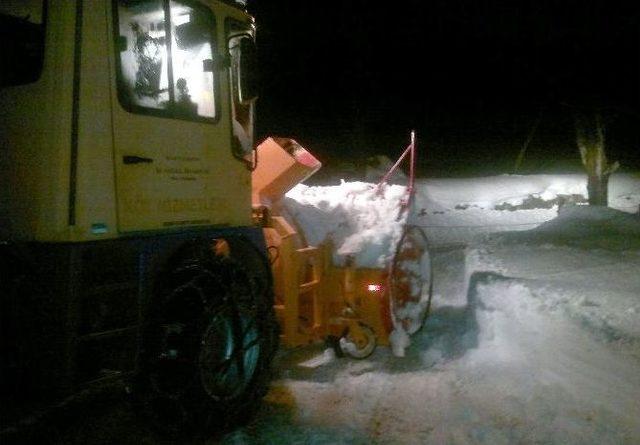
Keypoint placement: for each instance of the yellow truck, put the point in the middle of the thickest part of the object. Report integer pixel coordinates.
(128, 246)
(142, 233)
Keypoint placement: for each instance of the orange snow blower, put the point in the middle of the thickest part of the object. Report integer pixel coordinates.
(316, 300)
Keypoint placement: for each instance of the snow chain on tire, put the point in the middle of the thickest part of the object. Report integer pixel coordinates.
(210, 349)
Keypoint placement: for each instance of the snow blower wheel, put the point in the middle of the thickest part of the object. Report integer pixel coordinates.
(209, 357)
(359, 342)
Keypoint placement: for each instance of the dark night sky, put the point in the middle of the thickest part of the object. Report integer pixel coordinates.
(471, 76)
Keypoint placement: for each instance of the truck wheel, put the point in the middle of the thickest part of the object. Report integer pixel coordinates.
(209, 361)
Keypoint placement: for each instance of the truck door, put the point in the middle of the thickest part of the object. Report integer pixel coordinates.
(172, 143)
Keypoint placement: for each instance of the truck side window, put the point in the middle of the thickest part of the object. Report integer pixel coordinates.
(166, 58)
(22, 37)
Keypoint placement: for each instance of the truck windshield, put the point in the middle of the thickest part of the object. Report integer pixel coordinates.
(22, 37)
(166, 58)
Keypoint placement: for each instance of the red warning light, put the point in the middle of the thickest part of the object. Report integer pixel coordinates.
(374, 287)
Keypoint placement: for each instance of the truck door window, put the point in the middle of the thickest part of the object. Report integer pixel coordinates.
(22, 41)
(166, 58)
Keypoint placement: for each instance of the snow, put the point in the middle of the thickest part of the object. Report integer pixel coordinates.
(587, 227)
(458, 210)
(534, 333)
(360, 219)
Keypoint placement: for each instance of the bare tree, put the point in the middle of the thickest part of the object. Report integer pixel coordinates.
(590, 139)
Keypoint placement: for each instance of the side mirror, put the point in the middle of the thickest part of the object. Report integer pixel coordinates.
(248, 78)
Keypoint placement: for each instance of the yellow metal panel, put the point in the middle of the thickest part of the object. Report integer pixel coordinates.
(35, 132)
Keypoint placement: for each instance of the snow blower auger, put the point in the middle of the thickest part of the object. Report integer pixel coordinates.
(319, 298)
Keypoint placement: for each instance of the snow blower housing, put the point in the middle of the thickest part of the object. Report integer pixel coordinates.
(320, 294)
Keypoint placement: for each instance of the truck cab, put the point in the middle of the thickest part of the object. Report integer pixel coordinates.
(124, 117)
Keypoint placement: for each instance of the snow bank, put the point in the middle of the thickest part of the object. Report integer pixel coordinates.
(586, 227)
(458, 210)
(500, 191)
(556, 330)
(556, 379)
(584, 263)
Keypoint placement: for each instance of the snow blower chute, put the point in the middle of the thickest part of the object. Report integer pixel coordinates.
(354, 269)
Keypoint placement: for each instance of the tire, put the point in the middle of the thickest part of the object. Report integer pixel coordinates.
(212, 343)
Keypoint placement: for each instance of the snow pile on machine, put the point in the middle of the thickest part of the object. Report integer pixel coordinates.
(361, 220)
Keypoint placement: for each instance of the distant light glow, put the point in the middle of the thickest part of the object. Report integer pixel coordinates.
(374, 287)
